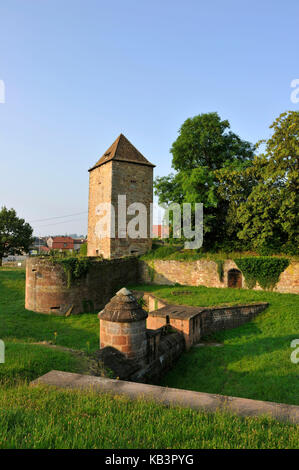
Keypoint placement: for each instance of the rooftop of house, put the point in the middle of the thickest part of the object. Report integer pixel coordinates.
(62, 239)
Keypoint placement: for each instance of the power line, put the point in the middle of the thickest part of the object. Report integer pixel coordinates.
(58, 217)
(59, 223)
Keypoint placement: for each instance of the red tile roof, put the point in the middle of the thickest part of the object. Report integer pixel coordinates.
(66, 243)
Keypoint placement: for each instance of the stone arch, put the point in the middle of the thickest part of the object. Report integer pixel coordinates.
(234, 278)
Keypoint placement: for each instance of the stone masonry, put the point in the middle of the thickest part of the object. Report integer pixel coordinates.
(121, 171)
(123, 326)
(204, 273)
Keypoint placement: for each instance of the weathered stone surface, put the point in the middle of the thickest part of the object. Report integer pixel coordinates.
(123, 308)
(47, 290)
(121, 171)
(171, 396)
(204, 272)
(197, 322)
(118, 363)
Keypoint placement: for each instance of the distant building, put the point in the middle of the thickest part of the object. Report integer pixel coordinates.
(160, 231)
(44, 249)
(78, 242)
(37, 244)
(60, 243)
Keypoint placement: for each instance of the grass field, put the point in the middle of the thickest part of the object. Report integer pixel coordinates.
(46, 418)
(254, 361)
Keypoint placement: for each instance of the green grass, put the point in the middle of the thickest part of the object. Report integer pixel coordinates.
(254, 361)
(42, 417)
(178, 253)
(46, 418)
(77, 331)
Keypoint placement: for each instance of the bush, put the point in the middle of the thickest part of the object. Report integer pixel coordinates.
(264, 270)
(161, 252)
(83, 249)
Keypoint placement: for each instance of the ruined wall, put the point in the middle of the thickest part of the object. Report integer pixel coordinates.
(204, 272)
(47, 290)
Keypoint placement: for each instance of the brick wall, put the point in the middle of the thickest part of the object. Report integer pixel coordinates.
(204, 272)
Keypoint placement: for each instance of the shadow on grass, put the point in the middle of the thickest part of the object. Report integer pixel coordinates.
(244, 370)
(76, 331)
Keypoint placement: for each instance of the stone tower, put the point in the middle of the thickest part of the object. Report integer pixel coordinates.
(123, 326)
(121, 174)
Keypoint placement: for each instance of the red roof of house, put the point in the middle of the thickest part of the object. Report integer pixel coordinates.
(62, 242)
(62, 239)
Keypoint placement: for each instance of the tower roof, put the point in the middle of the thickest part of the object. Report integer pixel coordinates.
(123, 151)
(123, 308)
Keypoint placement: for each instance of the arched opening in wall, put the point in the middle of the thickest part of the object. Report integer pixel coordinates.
(234, 278)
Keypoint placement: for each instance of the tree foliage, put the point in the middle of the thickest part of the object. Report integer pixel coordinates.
(204, 146)
(250, 202)
(269, 216)
(15, 234)
(264, 270)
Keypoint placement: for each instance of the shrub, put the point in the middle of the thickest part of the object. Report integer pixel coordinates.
(264, 270)
(83, 249)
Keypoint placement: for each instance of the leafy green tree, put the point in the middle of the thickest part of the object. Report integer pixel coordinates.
(83, 249)
(269, 216)
(206, 141)
(204, 146)
(15, 234)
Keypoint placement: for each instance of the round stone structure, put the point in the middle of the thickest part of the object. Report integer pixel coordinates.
(123, 325)
(48, 291)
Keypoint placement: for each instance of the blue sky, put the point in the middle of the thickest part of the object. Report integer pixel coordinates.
(77, 73)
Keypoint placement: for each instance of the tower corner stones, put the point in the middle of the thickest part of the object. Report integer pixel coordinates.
(120, 178)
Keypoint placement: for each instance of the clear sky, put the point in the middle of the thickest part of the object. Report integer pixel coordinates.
(77, 73)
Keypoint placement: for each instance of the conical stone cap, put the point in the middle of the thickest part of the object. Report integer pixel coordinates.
(123, 308)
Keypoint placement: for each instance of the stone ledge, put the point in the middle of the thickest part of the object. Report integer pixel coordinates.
(171, 396)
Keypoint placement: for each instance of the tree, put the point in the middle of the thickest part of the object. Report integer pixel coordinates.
(204, 146)
(269, 216)
(83, 249)
(15, 234)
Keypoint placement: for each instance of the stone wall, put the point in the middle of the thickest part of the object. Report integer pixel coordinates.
(100, 190)
(47, 290)
(136, 182)
(196, 322)
(204, 272)
(128, 338)
(106, 183)
(163, 350)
